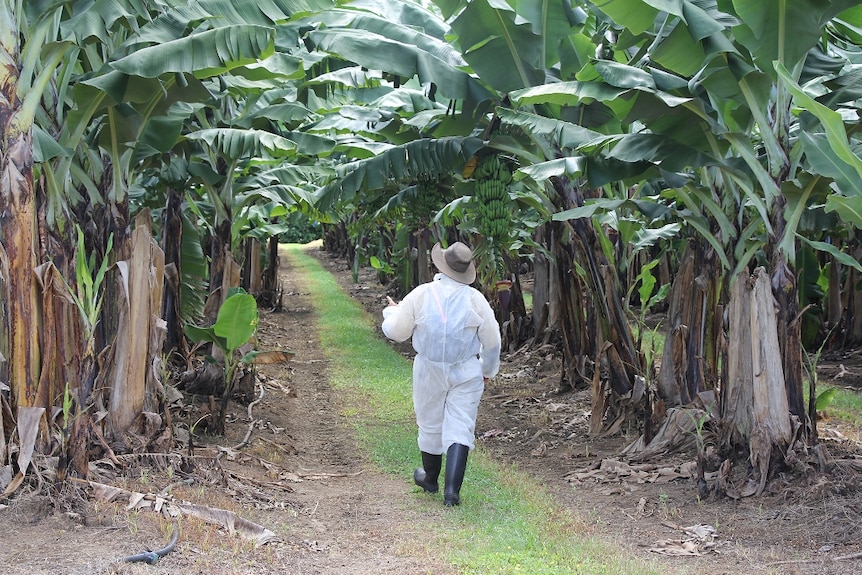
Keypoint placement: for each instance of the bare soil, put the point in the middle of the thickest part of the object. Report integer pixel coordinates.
(288, 466)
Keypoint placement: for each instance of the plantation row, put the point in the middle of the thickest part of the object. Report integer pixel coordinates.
(701, 162)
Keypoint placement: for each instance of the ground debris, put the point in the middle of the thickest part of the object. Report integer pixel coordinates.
(615, 471)
(173, 508)
(699, 540)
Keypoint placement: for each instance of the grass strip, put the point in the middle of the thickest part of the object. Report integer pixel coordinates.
(843, 406)
(508, 523)
(846, 406)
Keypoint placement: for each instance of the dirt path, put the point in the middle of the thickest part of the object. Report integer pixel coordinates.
(300, 476)
(349, 518)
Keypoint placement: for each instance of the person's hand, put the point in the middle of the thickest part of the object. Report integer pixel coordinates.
(390, 301)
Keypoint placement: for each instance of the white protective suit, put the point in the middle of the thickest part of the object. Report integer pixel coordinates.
(457, 343)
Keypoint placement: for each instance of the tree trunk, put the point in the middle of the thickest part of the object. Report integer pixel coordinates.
(336, 240)
(571, 313)
(853, 305)
(604, 299)
(230, 278)
(834, 310)
(62, 337)
(786, 293)
(541, 284)
(252, 269)
(272, 292)
(19, 320)
(19, 313)
(172, 242)
(63, 363)
(592, 320)
(220, 251)
(689, 360)
(20, 346)
(138, 344)
(754, 407)
(210, 377)
(423, 257)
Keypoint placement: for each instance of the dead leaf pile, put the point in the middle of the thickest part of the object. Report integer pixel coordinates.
(699, 540)
(616, 471)
(173, 508)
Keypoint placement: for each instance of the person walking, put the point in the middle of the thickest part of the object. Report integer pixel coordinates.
(457, 342)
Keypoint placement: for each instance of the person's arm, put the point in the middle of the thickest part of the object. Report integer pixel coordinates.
(399, 319)
(489, 337)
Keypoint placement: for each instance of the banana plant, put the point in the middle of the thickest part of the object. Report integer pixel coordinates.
(233, 330)
(403, 41)
(697, 83)
(511, 45)
(30, 59)
(425, 156)
(87, 297)
(97, 92)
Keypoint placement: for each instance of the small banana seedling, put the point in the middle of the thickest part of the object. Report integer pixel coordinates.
(817, 403)
(232, 332)
(700, 437)
(87, 297)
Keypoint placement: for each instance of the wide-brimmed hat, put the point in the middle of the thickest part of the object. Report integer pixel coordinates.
(456, 261)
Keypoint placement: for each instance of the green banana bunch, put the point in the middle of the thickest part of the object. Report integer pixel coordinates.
(430, 197)
(492, 198)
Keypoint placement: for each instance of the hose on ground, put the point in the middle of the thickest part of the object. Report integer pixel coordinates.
(152, 556)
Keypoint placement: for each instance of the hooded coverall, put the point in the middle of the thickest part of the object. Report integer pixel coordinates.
(457, 343)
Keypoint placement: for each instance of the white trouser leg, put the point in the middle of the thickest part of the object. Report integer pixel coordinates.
(462, 404)
(429, 399)
(446, 402)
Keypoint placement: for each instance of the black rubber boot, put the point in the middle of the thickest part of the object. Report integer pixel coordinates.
(456, 465)
(426, 476)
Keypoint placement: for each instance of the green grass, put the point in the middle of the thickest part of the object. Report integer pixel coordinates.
(507, 524)
(846, 406)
